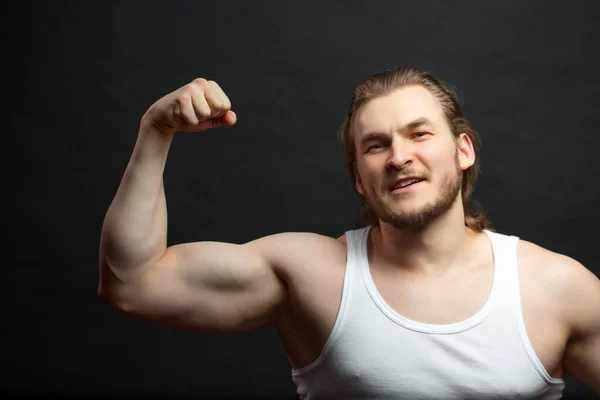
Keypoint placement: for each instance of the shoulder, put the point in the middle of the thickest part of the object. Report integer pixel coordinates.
(298, 240)
(533, 256)
(571, 288)
(293, 252)
(553, 268)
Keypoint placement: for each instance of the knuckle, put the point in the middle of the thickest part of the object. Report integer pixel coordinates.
(186, 91)
(182, 98)
(215, 86)
(199, 81)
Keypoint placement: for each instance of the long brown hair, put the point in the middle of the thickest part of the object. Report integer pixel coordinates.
(381, 84)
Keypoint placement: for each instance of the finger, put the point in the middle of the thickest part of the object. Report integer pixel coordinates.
(226, 101)
(228, 119)
(201, 107)
(215, 99)
(185, 111)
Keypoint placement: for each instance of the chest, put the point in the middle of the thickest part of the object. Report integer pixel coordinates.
(447, 301)
(434, 301)
(373, 364)
(459, 298)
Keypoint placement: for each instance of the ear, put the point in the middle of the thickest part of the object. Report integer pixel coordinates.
(466, 151)
(358, 182)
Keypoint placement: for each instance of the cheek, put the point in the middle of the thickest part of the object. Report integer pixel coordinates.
(369, 182)
(434, 159)
(368, 172)
(439, 157)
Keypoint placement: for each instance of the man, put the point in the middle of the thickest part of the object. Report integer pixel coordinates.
(424, 302)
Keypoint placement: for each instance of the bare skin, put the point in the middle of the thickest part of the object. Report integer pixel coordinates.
(293, 281)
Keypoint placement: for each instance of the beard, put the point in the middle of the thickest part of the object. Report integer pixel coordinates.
(447, 195)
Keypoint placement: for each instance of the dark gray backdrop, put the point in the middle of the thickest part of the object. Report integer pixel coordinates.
(81, 74)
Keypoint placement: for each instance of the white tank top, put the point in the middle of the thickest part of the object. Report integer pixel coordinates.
(374, 352)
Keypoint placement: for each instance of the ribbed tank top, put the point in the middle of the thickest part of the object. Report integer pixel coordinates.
(374, 352)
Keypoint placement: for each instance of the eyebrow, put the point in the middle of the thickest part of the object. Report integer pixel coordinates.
(417, 123)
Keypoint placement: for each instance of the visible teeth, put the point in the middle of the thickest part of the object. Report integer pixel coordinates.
(408, 182)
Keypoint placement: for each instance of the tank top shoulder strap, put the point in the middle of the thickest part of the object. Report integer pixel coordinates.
(505, 261)
(355, 245)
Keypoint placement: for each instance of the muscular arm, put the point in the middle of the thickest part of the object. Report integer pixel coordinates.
(207, 286)
(582, 303)
(211, 287)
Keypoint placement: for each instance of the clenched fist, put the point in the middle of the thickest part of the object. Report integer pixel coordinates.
(195, 107)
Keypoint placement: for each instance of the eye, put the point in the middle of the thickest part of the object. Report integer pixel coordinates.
(420, 134)
(374, 147)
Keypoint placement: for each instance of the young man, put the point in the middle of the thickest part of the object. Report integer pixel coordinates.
(424, 302)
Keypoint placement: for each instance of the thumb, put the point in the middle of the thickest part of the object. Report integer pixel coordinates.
(229, 118)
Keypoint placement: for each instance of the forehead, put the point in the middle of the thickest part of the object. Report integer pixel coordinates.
(397, 109)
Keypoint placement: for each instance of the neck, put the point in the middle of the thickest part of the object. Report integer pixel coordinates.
(440, 248)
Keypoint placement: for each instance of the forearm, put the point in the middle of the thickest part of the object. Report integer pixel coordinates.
(134, 233)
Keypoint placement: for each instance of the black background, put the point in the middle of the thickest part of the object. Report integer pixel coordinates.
(79, 75)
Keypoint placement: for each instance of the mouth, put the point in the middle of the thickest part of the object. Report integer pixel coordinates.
(404, 185)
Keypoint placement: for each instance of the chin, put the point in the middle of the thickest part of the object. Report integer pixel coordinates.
(405, 206)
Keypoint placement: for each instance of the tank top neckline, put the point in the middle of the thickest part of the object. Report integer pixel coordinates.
(361, 244)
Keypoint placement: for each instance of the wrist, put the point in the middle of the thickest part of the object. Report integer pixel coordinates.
(149, 127)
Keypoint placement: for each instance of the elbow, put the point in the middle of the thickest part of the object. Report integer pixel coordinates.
(116, 299)
(104, 296)
(114, 290)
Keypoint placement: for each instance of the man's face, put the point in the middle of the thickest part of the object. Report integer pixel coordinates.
(405, 135)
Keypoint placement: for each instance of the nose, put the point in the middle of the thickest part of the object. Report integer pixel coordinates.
(401, 155)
